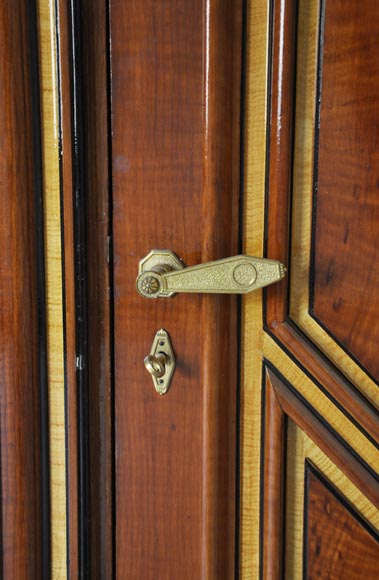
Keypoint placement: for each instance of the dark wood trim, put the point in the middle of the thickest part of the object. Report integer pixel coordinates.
(25, 539)
(274, 477)
(279, 183)
(95, 54)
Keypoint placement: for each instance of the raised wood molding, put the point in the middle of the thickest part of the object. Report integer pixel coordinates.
(256, 123)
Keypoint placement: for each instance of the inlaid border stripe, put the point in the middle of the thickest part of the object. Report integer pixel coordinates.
(54, 282)
(252, 323)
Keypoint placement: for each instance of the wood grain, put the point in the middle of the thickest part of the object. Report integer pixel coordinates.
(273, 482)
(175, 105)
(337, 544)
(305, 153)
(21, 516)
(280, 152)
(54, 282)
(346, 243)
(67, 207)
(302, 451)
(256, 119)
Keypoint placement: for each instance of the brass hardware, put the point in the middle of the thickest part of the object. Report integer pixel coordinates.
(156, 364)
(160, 363)
(162, 274)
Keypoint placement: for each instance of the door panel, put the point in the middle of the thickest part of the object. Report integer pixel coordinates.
(317, 387)
(333, 527)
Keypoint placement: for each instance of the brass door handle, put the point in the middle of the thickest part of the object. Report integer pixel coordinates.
(162, 274)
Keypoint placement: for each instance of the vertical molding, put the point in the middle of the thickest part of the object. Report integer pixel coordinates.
(54, 288)
(252, 325)
(65, 104)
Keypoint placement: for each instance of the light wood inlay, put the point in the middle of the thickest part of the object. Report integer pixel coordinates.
(54, 289)
(255, 171)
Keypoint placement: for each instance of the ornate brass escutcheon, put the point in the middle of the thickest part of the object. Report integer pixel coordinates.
(162, 274)
(160, 363)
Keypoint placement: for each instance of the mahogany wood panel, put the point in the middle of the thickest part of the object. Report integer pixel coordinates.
(175, 70)
(338, 545)
(346, 271)
(21, 492)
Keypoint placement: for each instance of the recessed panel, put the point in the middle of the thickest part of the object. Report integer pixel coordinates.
(346, 243)
(338, 542)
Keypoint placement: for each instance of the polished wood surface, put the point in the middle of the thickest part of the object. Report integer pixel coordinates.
(20, 447)
(175, 73)
(346, 272)
(338, 545)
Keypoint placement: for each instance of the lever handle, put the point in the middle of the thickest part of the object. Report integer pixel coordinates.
(162, 274)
